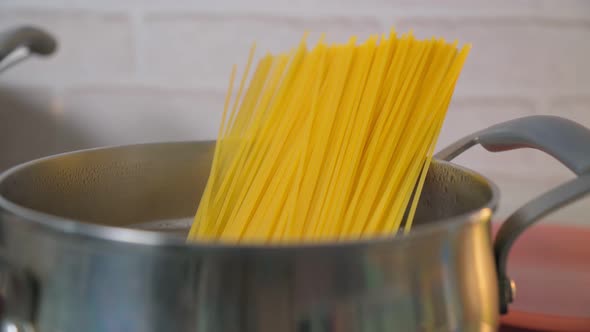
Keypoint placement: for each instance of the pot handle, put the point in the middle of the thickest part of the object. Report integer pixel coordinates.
(19, 43)
(19, 293)
(566, 141)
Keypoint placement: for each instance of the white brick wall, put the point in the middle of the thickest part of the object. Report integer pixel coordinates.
(93, 46)
(205, 46)
(147, 70)
(115, 114)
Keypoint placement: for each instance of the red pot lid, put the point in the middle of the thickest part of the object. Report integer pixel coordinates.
(550, 264)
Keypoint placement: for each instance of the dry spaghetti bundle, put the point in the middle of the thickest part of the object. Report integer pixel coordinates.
(328, 142)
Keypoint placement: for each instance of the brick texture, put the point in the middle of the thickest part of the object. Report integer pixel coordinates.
(576, 108)
(374, 7)
(516, 55)
(91, 46)
(204, 47)
(129, 115)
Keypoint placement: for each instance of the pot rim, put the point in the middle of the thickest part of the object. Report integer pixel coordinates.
(70, 227)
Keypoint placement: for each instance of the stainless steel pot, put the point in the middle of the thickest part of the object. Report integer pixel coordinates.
(72, 258)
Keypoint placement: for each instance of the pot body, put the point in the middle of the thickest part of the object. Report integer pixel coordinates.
(66, 222)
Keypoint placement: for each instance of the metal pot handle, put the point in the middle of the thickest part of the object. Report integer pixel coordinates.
(20, 43)
(19, 294)
(566, 141)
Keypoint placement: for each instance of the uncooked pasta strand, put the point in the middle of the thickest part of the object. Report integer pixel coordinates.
(328, 143)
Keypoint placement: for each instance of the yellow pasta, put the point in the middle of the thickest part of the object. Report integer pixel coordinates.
(328, 143)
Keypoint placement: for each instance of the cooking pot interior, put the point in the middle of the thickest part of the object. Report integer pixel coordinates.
(158, 186)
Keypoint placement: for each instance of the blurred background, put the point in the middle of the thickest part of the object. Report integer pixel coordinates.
(141, 71)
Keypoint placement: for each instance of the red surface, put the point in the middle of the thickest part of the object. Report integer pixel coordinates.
(514, 329)
(551, 267)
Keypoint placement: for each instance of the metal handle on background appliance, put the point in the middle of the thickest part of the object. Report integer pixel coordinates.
(566, 141)
(20, 43)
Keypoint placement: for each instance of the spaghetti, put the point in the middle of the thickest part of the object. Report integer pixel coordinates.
(328, 143)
